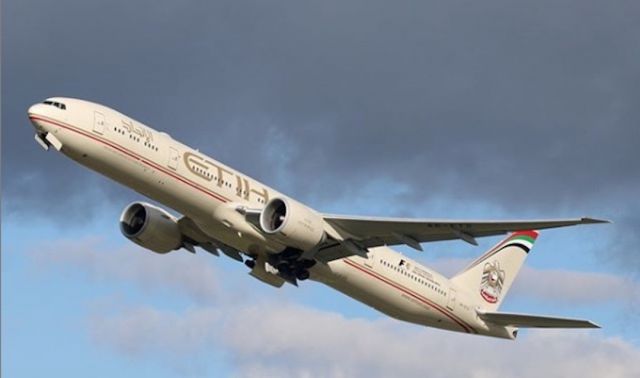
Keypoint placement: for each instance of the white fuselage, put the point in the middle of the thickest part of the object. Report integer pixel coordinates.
(193, 184)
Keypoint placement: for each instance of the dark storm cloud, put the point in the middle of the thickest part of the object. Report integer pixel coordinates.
(516, 104)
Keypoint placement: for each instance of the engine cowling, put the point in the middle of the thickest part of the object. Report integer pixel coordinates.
(150, 227)
(292, 223)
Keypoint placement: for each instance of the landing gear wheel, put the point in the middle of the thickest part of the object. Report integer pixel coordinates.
(284, 268)
(307, 263)
(250, 263)
(302, 275)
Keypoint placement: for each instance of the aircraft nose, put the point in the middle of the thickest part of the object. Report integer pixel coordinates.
(33, 112)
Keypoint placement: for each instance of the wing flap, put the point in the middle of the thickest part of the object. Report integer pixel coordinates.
(194, 236)
(534, 321)
(260, 272)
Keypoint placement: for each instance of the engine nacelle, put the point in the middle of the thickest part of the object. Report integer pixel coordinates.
(150, 227)
(292, 224)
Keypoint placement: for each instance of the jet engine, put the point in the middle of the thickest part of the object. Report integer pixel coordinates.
(292, 224)
(150, 227)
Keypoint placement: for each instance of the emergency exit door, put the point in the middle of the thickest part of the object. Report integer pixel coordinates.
(98, 123)
(451, 303)
(173, 158)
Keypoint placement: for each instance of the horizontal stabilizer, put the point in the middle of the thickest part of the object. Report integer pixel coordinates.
(533, 321)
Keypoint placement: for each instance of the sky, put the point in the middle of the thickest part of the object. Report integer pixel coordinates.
(486, 110)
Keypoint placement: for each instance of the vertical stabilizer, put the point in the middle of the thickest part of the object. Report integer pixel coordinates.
(490, 276)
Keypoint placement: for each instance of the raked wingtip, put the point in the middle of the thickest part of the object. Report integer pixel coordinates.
(587, 220)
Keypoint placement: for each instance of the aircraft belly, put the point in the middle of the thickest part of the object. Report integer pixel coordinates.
(374, 293)
(392, 298)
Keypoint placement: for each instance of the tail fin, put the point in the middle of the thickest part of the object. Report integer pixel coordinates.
(490, 276)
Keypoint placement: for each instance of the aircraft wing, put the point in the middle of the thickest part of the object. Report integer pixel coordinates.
(367, 232)
(533, 321)
(194, 236)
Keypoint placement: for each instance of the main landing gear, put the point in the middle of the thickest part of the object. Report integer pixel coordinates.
(288, 264)
(298, 268)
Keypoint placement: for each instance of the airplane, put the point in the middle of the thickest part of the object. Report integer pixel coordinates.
(281, 240)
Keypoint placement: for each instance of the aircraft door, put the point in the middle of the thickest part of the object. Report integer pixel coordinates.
(98, 123)
(451, 303)
(173, 158)
(371, 259)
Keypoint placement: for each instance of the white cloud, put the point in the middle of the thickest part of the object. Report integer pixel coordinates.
(573, 287)
(285, 340)
(145, 330)
(269, 336)
(179, 272)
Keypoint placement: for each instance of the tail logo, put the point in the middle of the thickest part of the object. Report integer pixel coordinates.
(492, 281)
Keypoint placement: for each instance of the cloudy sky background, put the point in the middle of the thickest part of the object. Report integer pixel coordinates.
(498, 109)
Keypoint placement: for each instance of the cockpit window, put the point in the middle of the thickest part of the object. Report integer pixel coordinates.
(58, 105)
